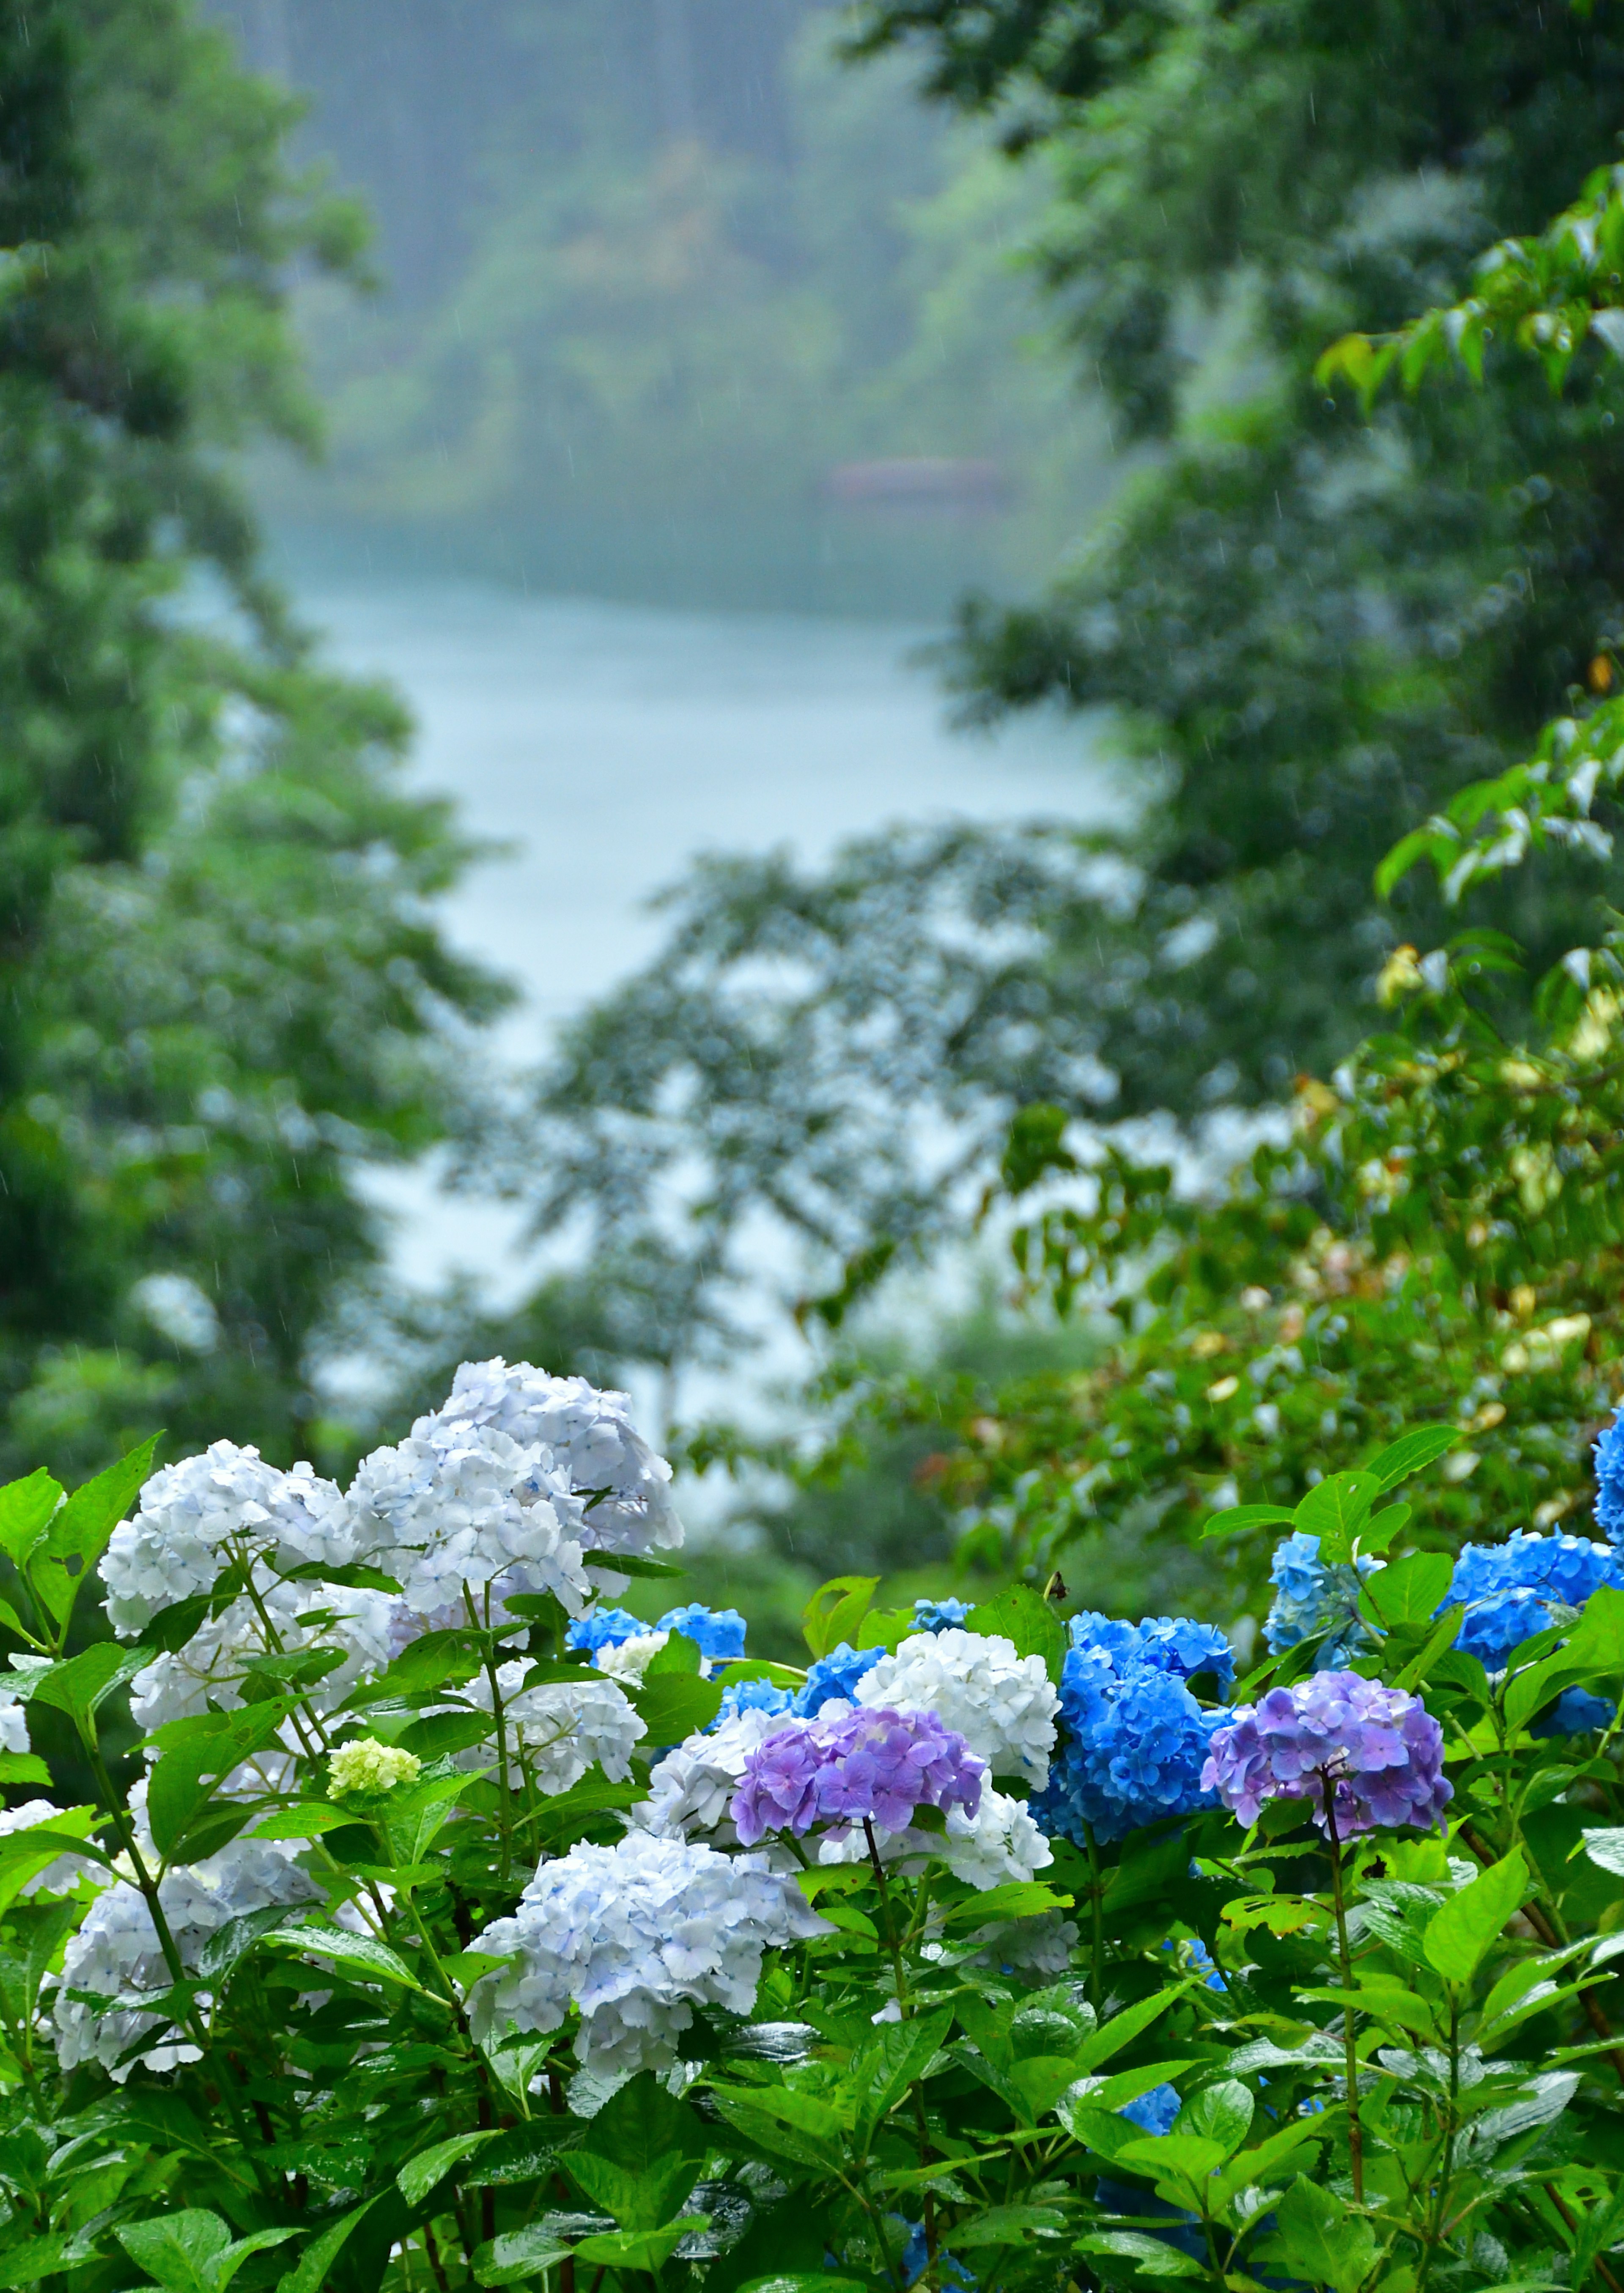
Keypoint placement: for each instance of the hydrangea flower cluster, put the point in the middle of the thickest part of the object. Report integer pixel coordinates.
(587, 1432)
(1381, 1750)
(989, 1846)
(191, 1514)
(559, 1728)
(116, 1953)
(865, 1766)
(833, 1679)
(691, 1789)
(1002, 1704)
(753, 1696)
(1133, 1738)
(1609, 1458)
(1314, 1597)
(603, 1628)
(1515, 1590)
(636, 1936)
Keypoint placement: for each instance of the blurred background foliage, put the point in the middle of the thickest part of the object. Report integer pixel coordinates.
(639, 296)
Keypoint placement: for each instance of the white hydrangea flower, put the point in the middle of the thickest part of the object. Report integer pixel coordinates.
(117, 1953)
(370, 1628)
(589, 1430)
(68, 1870)
(172, 1547)
(636, 1935)
(691, 1788)
(1000, 1843)
(1037, 1949)
(566, 1726)
(474, 1507)
(626, 1661)
(1002, 1704)
(13, 1721)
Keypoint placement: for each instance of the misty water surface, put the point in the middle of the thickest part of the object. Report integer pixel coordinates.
(609, 743)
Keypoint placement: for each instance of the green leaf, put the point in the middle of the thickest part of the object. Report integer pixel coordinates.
(222, 1948)
(37, 2257)
(1220, 2113)
(1335, 1510)
(182, 1781)
(1411, 1451)
(678, 1654)
(785, 2125)
(1111, 2037)
(81, 1685)
(647, 2249)
(1436, 1658)
(1319, 2239)
(1149, 2255)
(307, 1821)
(1016, 1898)
(1378, 1532)
(418, 2175)
(639, 2197)
(1237, 1517)
(1024, 1616)
(24, 1767)
(641, 2125)
(518, 2257)
(887, 2066)
(1008, 2225)
(25, 1508)
(674, 1706)
(310, 2273)
(358, 1952)
(836, 1610)
(624, 1564)
(78, 1531)
(1289, 2152)
(180, 2249)
(1409, 1591)
(1190, 2156)
(1461, 1933)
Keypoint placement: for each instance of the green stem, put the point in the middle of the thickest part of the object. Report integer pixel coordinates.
(1096, 1893)
(1356, 2138)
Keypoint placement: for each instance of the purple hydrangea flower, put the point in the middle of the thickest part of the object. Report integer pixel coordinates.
(880, 1765)
(836, 1674)
(1609, 1455)
(718, 1633)
(1381, 1750)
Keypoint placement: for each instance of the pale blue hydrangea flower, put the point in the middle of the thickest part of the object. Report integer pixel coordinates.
(1609, 1455)
(938, 1616)
(1314, 1596)
(604, 1628)
(751, 1695)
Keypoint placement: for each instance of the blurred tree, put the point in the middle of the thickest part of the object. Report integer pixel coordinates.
(221, 987)
(1311, 627)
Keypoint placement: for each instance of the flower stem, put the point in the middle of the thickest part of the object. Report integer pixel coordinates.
(1356, 2139)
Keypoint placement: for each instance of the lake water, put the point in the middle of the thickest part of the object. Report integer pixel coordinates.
(607, 744)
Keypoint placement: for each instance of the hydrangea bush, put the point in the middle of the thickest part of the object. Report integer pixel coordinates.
(434, 1920)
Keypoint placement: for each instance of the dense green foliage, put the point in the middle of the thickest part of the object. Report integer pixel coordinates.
(222, 985)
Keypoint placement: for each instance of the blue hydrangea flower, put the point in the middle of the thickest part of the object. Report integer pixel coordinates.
(916, 2255)
(604, 1628)
(1154, 2111)
(718, 1633)
(938, 1616)
(1314, 1596)
(1609, 1455)
(749, 1696)
(1133, 1743)
(1575, 1713)
(834, 1674)
(1176, 1645)
(1515, 1590)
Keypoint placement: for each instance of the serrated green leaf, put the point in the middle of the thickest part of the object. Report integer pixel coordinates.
(1413, 1451)
(359, 1953)
(77, 1536)
(1460, 1934)
(1237, 1517)
(418, 2175)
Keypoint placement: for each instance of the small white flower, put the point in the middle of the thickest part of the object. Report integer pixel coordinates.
(626, 1661)
(636, 1935)
(1000, 1843)
(68, 1870)
(13, 1721)
(1002, 1704)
